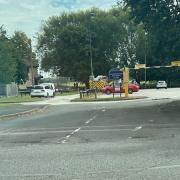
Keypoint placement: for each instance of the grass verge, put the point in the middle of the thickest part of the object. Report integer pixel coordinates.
(6, 105)
(67, 93)
(19, 99)
(92, 99)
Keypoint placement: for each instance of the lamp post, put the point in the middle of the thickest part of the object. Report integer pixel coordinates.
(31, 63)
(90, 47)
(145, 58)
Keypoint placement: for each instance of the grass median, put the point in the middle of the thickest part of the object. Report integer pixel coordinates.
(92, 99)
(67, 93)
(6, 105)
(19, 99)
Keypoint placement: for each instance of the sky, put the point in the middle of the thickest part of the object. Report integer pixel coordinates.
(28, 15)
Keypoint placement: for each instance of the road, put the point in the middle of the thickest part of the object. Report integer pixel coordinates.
(121, 140)
(170, 93)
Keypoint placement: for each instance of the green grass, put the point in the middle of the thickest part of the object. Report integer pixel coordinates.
(67, 93)
(6, 105)
(19, 99)
(92, 99)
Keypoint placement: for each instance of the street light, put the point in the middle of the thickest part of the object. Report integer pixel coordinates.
(90, 47)
(145, 58)
(31, 62)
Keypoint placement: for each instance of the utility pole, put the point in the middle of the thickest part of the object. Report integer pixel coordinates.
(31, 63)
(145, 59)
(90, 48)
(91, 56)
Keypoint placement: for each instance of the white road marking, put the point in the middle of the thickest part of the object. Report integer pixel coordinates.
(151, 120)
(90, 120)
(103, 110)
(87, 122)
(77, 130)
(30, 133)
(137, 128)
(44, 175)
(104, 130)
(67, 137)
(64, 141)
(165, 167)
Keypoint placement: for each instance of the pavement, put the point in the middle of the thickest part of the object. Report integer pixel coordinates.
(126, 140)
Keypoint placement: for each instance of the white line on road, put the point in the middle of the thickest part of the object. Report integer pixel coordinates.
(68, 136)
(77, 130)
(165, 167)
(90, 120)
(64, 141)
(87, 122)
(59, 175)
(137, 128)
(104, 130)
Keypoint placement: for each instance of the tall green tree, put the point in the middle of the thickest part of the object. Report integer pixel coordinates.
(64, 42)
(22, 55)
(161, 20)
(8, 64)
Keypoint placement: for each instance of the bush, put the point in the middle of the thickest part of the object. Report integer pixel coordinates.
(148, 84)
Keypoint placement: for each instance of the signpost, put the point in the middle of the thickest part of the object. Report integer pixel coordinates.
(115, 74)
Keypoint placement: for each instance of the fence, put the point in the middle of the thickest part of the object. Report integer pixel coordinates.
(8, 90)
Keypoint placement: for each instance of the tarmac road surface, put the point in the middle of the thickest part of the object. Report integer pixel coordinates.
(129, 140)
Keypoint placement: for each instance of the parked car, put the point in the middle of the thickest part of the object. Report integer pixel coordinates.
(42, 91)
(161, 84)
(117, 89)
(52, 86)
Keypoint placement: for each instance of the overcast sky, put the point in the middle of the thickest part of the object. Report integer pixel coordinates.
(27, 15)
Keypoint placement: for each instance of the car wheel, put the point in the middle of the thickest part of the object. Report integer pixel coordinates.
(130, 91)
(108, 92)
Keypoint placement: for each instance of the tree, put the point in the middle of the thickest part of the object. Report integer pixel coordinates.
(161, 20)
(22, 54)
(16, 57)
(8, 64)
(64, 43)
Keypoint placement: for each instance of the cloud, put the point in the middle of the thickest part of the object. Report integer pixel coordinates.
(27, 15)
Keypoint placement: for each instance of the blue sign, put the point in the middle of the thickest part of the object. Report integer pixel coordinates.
(115, 74)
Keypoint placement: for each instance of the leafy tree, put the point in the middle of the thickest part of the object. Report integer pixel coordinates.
(161, 20)
(15, 57)
(8, 64)
(21, 54)
(64, 43)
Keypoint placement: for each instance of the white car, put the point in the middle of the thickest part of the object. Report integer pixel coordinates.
(52, 86)
(42, 91)
(161, 84)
